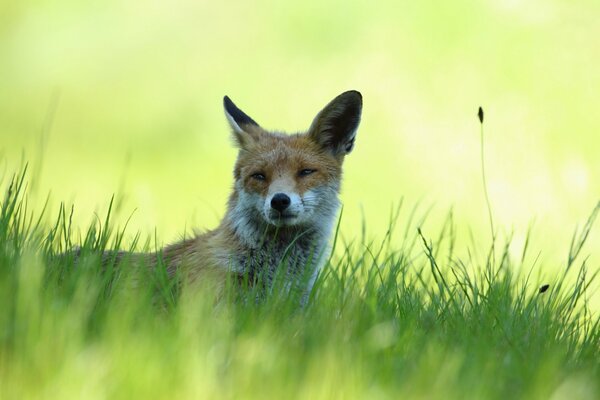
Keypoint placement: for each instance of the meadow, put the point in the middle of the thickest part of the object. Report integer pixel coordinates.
(404, 317)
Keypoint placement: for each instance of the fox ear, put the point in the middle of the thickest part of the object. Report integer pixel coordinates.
(240, 122)
(334, 128)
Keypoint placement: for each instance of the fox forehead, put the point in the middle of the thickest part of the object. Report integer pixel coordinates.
(281, 157)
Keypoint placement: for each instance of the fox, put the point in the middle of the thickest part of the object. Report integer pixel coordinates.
(283, 205)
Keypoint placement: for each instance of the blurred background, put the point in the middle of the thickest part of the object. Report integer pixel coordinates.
(125, 97)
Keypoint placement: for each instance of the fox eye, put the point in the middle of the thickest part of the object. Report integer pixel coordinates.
(306, 172)
(259, 176)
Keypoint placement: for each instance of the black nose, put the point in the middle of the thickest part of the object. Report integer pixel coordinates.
(280, 201)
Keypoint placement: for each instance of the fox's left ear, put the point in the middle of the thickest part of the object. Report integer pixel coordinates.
(335, 126)
(241, 124)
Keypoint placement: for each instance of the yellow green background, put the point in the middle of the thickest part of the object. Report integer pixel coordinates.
(125, 97)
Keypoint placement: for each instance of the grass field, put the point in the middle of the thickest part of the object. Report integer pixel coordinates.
(402, 318)
(122, 99)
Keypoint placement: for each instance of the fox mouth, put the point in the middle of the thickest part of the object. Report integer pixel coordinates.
(282, 217)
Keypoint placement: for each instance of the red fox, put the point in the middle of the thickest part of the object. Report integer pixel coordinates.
(284, 201)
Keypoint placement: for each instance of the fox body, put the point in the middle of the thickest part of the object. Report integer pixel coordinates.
(284, 201)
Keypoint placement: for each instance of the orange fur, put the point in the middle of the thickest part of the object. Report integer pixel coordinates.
(258, 236)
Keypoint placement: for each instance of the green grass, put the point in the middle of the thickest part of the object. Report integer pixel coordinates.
(403, 317)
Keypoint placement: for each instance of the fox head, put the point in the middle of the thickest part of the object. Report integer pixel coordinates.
(287, 181)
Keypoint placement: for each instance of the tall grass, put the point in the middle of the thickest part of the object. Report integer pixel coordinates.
(403, 317)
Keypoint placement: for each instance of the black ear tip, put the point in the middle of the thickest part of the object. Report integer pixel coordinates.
(230, 106)
(238, 115)
(352, 96)
(353, 93)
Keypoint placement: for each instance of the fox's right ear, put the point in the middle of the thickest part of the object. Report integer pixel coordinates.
(334, 128)
(240, 122)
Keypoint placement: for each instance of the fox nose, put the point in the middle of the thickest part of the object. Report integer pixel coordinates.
(280, 201)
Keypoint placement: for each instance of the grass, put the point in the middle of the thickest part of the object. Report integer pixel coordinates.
(404, 317)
